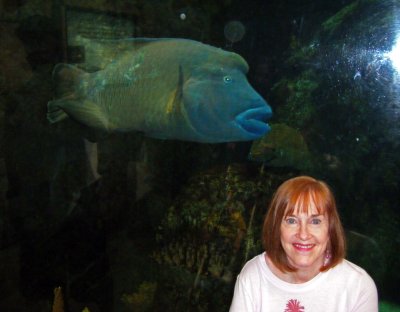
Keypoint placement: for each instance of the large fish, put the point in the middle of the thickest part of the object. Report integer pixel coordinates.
(166, 88)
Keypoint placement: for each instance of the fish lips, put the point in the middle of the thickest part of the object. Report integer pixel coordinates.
(253, 121)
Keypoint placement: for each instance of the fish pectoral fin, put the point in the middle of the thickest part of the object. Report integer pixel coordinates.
(172, 103)
(85, 112)
(176, 96)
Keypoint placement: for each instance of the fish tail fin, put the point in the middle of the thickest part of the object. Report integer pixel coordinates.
(54, 112)
(67, 79)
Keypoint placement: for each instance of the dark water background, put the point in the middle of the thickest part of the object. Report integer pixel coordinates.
(169, 224)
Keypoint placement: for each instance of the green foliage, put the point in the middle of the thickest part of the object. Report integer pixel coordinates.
(331, 24)
(300, 53)
(296, 98)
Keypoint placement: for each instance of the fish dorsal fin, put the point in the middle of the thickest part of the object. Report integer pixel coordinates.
(175, 98)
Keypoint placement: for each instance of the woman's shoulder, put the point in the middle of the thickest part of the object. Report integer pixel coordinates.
(351, 268)
(253, 266)
(353, 272)
(251, 274)
(352, 279)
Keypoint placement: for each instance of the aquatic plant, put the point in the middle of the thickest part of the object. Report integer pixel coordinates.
(295, 96)
(332, 23)
(142, 300)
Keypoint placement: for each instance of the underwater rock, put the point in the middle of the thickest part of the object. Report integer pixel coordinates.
(166, 88)
(282, 147)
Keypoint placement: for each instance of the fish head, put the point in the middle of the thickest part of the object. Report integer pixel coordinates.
(222, 106)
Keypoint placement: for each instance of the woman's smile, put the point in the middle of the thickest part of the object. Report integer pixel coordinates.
(302, 247)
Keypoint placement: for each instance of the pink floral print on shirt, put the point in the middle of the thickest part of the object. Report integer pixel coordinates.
(293, 305)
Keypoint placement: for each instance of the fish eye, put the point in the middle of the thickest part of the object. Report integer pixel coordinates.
(228, 79)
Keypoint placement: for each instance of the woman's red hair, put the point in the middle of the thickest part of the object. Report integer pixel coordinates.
(300, 194)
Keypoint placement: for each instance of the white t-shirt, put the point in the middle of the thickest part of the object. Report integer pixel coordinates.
(344, 288)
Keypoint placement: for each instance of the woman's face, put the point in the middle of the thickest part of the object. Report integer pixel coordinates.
(304, 238)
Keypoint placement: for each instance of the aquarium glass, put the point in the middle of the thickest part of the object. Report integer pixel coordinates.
(141, 143)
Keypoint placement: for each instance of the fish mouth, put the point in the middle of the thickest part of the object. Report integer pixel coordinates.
(253, 121)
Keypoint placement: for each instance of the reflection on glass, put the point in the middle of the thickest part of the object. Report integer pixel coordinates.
(394, 55)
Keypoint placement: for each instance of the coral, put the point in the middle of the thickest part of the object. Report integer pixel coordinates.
(205, 216)
(211, 229)
(58, 303)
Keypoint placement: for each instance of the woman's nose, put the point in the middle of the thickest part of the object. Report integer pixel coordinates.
(303, 232)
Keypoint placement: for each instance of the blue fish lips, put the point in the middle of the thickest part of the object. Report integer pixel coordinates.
(218, 124)
(253, 121)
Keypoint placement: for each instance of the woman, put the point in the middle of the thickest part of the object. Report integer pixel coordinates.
(303, 267)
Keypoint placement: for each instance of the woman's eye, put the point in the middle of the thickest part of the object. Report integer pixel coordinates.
(315, 221)
(291, 221)
(228, 79)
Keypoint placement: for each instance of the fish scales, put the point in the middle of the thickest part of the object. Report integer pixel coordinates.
(138, 81)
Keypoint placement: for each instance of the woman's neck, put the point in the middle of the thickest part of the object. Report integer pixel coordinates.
(298, 277)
